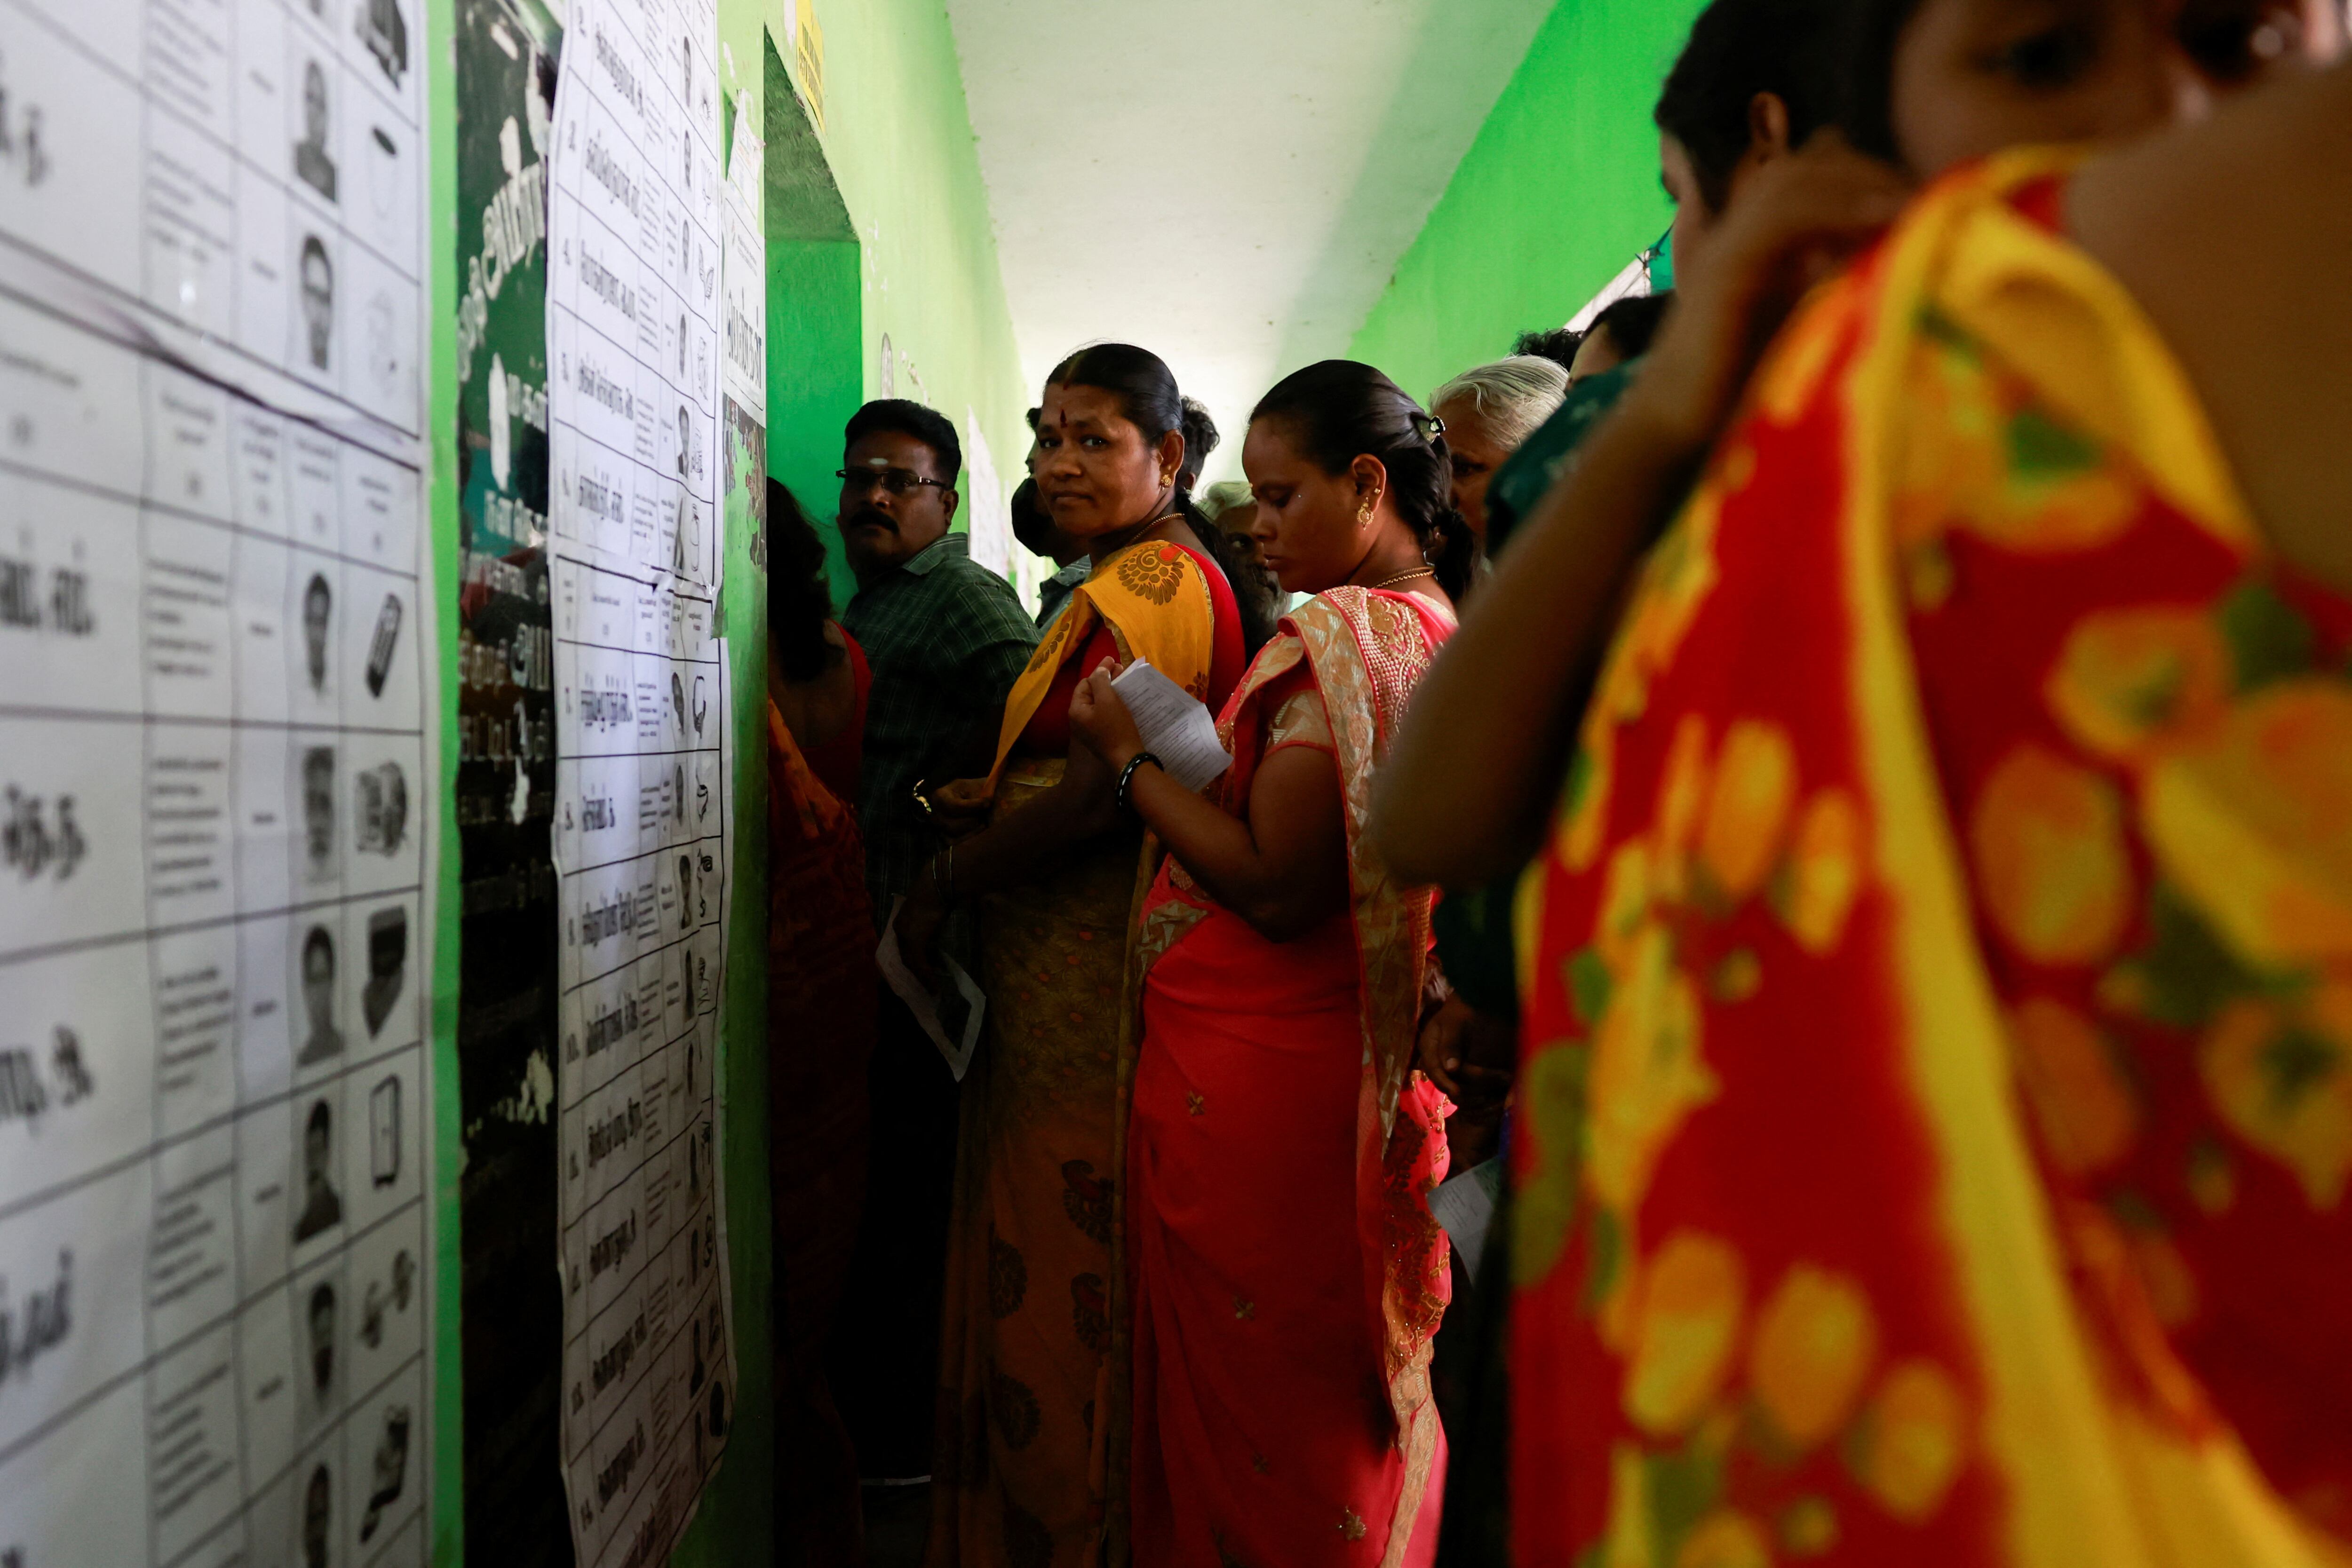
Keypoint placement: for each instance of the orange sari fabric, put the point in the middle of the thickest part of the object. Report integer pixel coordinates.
(1284, 1269)
(1937, 1079)
(820, 1000)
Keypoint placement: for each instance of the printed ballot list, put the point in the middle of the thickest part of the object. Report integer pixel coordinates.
(216, 785)
(643, 812)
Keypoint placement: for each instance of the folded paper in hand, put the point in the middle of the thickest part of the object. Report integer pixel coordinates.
(1176, 726)
(952, 1019)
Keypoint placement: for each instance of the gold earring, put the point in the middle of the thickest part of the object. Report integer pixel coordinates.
(1364, 514)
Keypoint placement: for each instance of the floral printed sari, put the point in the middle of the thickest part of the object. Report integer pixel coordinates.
(1285, 1270)
(1021, 1465)
(1937, 1073)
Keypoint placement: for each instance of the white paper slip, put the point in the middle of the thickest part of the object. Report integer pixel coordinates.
(1465, 1206)
(952, 1020)
(1177, 727)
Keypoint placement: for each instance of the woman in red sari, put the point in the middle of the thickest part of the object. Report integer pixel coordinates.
(820, 1026)
(1285, 1274)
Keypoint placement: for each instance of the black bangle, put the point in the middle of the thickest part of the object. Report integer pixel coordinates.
(1126, 776)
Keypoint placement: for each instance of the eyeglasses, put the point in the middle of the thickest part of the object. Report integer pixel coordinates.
(897, 481)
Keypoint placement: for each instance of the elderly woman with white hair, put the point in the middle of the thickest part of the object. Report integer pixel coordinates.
(1488, 413)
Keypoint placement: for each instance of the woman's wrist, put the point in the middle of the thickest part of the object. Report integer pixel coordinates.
(1123, 792)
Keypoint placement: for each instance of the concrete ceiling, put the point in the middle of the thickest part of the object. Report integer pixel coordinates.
(1228, 183)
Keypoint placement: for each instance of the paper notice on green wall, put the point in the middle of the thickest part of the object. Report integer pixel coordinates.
(643, 851)
(744, 282)
(218, 812)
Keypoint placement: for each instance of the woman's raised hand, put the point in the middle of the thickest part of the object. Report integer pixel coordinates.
(1802, 216)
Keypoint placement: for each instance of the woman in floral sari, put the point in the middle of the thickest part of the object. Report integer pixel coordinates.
(1287, 1274)
(1021, 1465)
(1936, 1074)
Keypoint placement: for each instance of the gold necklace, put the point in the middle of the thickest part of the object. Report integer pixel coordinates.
(1401, 577)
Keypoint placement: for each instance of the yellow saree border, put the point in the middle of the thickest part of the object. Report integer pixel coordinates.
(2089, 1484)
(1156, 600)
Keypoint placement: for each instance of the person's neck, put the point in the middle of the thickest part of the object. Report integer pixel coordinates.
(1395, 566)
(1102, 546)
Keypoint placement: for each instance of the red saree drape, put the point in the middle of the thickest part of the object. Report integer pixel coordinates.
(1938, 1088)
(1285, 1270)
(821, 996)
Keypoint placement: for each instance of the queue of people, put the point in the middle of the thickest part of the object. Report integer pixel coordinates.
(1829, 789)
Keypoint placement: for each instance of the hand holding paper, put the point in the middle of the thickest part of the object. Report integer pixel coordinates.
(1176, 727)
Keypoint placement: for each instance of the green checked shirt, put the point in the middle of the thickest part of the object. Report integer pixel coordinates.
(945, 638)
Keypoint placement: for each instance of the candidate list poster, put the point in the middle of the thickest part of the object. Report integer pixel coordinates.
(642, 806)
(216, 807)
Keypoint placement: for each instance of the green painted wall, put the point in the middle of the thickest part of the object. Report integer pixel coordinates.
(816, 314)
(910, 253)
(1559, 192)
(899, 138)
(897, 143)
(817, 379)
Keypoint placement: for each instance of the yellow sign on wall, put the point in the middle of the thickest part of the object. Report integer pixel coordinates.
(808, 50)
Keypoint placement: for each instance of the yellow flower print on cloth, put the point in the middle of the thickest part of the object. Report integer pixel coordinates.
(1674, 583)
(2239, 747)
(2081, 1100)
(1648, 1071)
(1991, 459)
(2280, 1078)
(1815, 1340)
(1731, 826)
(2130, 683)
(1801, 1380)
(2254, 820)
(2047, 835)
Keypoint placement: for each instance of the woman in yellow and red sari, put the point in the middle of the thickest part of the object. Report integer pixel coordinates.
(1286, 1270)
(1021, 1468)
(1937, 1076)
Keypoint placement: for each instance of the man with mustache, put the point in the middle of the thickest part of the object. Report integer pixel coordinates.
(945, 638)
